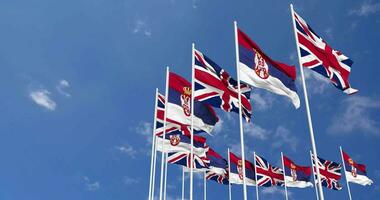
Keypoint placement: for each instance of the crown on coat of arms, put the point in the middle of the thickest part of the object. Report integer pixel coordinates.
(187, 91)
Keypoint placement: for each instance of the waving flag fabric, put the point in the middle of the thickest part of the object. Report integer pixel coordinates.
(317, 55)
(236, 175)
(268, 175)
(184, 158)
(330, 173)
(218, 168)
(259, 70)
(181, 143)
(214, 86)
(295, 175)
(172, 127)
(355, 172)
(179, 108)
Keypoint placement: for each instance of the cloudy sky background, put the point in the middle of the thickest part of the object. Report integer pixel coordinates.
(78, 80)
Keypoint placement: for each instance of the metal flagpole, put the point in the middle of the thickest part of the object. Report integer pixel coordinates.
(192, 120)
(151, 187)
(229, 175)
(166, 175)
(154, 168)
(344, 167)
(164, 133)
(257, 185)
(183, 183)
(315, 183)
(204, 186)
(283, 168)
(314, 148)
(240, 112)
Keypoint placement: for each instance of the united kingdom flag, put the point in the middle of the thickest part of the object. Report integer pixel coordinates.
(330, 173)
(214, 86)
(267, 174)
(218, 168)
(317, 55)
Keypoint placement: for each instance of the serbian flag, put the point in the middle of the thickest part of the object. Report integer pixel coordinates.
(259, 70)
(236, 169)
(295, 175)
(355, 172)
(215, 86)
(218, 168)
(181, 143)
(179, 108)
(318, 56)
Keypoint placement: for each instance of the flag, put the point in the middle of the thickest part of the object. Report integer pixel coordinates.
(259, 70)
(218, 168)
(214, 86)
(182, 143)
(179, 108)
(184, 158)
(295, 175)
(171, 126)
(236, 171)
(355, 172)
(317, 55)
(329, 172)
(268, 175)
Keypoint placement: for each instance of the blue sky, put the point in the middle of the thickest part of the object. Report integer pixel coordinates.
(78, 80)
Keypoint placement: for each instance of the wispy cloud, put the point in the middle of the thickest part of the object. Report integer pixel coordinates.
(355, 114)
(262, 100)
(91, 186)
(255, 131)
(41, 97)
(366, 8)
(61, 86)
(218, 127)
(127, 149)
(141, 27)
(145, 129)
(274, 191)
(283, 137)
(130, 180)
(317, 84)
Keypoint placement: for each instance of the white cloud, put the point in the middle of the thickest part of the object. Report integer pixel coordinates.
(130, 181)
(355, 114)
(316, 83)
(127, 149)
(274, 191)
(283, 137)
(255, 131)
(141, 27)
(367, 8)
(145, 129)
(262, 100)
(91, 186)
(218, 127)
(41, 98)
(61, 86)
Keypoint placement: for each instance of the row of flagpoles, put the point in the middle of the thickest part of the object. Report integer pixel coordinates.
(187, 108)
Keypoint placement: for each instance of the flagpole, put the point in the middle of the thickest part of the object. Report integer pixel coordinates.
(240, 112)
(283, 168)
(314, 148)
(229, 175)
(154, 168)
(204, 186)
(257, 185)
(164, 133)
(315, 183)
(166, 174)
(151, 187)
(183, 183)
(344, 167)
(192, 120)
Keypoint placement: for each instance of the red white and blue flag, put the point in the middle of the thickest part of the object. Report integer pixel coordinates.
(295, 175)
(179, 108)
(259, 70)
(181, 143)
(236, 171)
(218, 167)
(214, 86)
(317, 55)
(329, 172)
(267, 174)
(355, 172)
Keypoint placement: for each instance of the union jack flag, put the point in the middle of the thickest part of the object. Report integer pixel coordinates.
(268, 175)
(330, 173)
(218, 168)
(214, 86)
(184, 158)
(317, 55)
